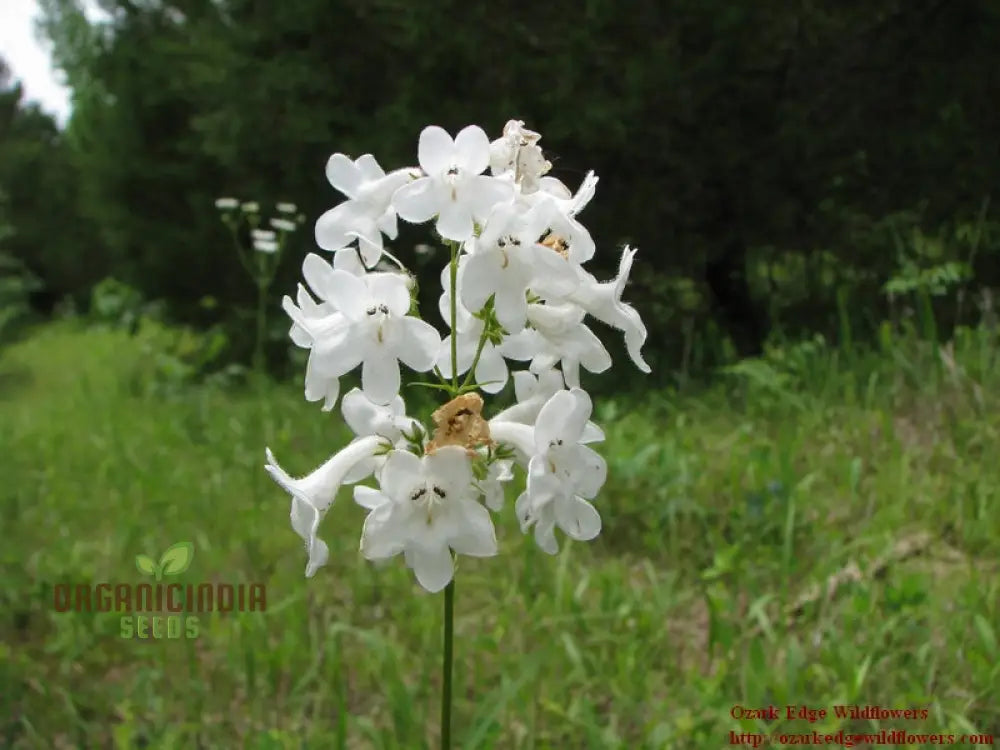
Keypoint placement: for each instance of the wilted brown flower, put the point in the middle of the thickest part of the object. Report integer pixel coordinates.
(460, 422)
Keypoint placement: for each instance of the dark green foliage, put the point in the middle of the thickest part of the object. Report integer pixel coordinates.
(765, 157)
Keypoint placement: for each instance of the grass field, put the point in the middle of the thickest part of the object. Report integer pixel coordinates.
(818, 528)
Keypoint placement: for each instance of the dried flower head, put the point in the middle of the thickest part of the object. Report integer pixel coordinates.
(460, 422)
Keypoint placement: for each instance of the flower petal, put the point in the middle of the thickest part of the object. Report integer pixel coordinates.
(435, 151)
(319, 386)
(562, 418)
(478, 538)
(590, 471)
(381, 536)
(523, 511)
(368, 168)
(402, 472)
(370, 498)
(433, 568)
(332, 227)
(337, 354)
(390, 288)
(511, 306)
(450, 469)
(479, 278)
(455, 221)
(464, 354)
(347, 259)
(578, 518)
(380, 377)
(343, 174)
(360, 414)
(545, 537)
(592, 433)
(316, 271)
(472, 149)
(491, 372)
(419, 345)
(370, 248)
(417, 202)
(349, 293)
(483, 194)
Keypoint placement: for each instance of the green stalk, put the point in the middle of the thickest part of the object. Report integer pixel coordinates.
(449, 590)
(449, 609)
(475, 360)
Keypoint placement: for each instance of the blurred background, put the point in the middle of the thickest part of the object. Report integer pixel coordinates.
(802, 503)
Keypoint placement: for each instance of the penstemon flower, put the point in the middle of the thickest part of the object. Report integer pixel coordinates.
(368, 213)
(514, 290)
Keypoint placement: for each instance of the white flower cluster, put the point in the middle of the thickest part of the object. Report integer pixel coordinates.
(514, 289)
(267, 241)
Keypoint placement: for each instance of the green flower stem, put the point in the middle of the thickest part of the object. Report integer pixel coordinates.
(475, 360)
(449, 609)
(449, 590)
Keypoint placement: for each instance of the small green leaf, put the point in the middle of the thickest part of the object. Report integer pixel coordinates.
(177, 558)
(146, 565)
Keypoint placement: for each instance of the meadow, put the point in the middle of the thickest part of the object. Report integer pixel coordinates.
(817, 527)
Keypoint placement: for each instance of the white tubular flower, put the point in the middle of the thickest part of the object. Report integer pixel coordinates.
(425, 508)
(286, 208)
(318, 387)
(563, 474)
(250, 207)
(312, 495)
(454, 190)
(368, 212)
(376, 332)
(505, 262)
(555, 191)
(531, 392)
(226, 204)
(568, 237)
(366, 418)
(305, 522)
(562, 336)
(604, 302)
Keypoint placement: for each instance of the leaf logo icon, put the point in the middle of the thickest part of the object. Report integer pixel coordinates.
(177, 559)
(173, 562)
(147, 566)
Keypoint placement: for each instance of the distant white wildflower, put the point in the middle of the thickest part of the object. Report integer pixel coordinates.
(284, 225)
